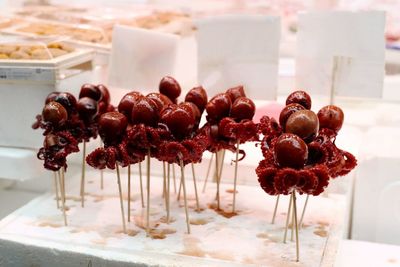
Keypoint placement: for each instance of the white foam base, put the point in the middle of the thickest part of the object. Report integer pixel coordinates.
(35, 235)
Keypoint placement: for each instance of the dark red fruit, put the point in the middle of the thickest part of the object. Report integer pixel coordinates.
(236, 92)
(51, 97)
(54, 113)
(303, 123)
(243, 109)
(112, 126)
(87, 108)
(218, 107)
(145, 111)
(179, 120)
(197, 96)
(331, 117)
(105, 94)
(160, 99)
(170, 87)
(290, 151)
(287, 111)
(68, 101)
(127, 102)
(299, 97)
(91, 91)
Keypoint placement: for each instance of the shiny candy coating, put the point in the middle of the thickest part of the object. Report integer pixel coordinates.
(54, 113)
(331, 117)
(303, 123)
(91, 91)
(160, 99)
(197, 96)
(112, 126)
(67, 100)
(299, 97)
(235, 92)
(287, 111)
(51, 97)
(243, 109)
(105, 93)
(218, 107)
(127, 102)
(290, 151)
(170, 87)
(180, 121)
(87, 108)
(145, 111)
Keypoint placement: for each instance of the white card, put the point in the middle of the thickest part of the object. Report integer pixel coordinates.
(140, 58)
(239, 50)
(341, 51)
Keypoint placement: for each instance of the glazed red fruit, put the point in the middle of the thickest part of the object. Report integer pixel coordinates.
(170, 87)
(160, 99)
(90, 90)
(105, 94)
(87, 108)
(197, 96)
(303, 123)
(127, 102)
(51, 97)
(236, 92)
(68, 101)
(193, 109)
(290, 151)
(287, 111)
(54, 113)
(243, 109)
(331, 117)
(218, 107)
(179, 121)
(299, 97)
(112, 126)
(145, 111)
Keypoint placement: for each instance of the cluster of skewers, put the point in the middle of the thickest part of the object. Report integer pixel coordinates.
(299, 152)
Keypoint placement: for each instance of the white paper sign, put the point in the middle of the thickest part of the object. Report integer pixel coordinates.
(239, 50)
(341, 51)
(140, 58)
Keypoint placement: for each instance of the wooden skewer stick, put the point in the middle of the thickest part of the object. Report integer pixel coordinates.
(129, 193)
(101, 171)
(275, 209)
(120, 200)
(168, 191)
(287, 218)
(148, 195)
(208, 173)
(216, 171)
(235, 180)
(62, 189)
(83, 175)
(184, 196)
(195, 188)
(174, 176)
(180, 190)
(56, 188)
(297, 226)
(303, 212)
(141, 184)
(218, 174)
(165, 185)
(292, 228)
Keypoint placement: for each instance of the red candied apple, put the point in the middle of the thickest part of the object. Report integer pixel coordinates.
(51, 97)
(192, 108)
(197, 96)
(299, 97)
(303, 123)
(243, 109)
(170, 87)
(145, 111)
(236, 92)
(179, 120)
(287, 111)
(160, 99)
(54, 113)
(290, 151)
(127, 102)
(218, 107)
(331, 117)
(67, 100)
(112, 126)
(91, 91)
(105, 93)
(87, 108)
